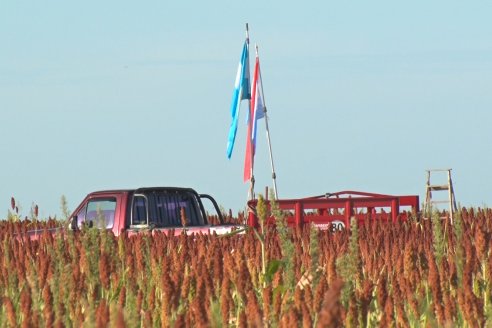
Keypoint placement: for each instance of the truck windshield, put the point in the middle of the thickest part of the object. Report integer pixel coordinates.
(168, 208)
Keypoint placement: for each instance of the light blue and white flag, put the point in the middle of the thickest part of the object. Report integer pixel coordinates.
(258, 108)
(241, 91)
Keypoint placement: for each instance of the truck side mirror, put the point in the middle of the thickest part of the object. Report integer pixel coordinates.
(73, 223)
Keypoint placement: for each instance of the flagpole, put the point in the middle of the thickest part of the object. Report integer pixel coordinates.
(251, 192)
(274, 175)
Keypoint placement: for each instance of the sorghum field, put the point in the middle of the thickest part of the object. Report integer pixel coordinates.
(414, 274)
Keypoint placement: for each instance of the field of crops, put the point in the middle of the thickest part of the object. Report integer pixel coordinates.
(410, 274)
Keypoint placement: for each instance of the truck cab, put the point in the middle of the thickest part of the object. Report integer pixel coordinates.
(158, 208)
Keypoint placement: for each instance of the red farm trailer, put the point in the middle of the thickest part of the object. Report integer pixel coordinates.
(334, 210)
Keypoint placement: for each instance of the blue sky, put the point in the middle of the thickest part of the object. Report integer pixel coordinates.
(363, 96)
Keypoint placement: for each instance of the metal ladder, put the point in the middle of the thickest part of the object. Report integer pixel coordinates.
(430, 188)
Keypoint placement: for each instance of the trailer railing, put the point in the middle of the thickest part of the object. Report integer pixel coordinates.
(340, 207)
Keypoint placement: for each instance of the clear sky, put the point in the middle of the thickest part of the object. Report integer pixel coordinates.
(361, 95)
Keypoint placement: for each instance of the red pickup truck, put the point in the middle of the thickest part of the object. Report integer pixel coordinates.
(158, 209)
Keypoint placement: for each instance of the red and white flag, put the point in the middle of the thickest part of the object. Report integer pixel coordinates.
(257, 111)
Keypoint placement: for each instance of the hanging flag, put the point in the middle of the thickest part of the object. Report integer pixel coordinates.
(241, 91)
(257, 111)
(258, 105)
(248, 157)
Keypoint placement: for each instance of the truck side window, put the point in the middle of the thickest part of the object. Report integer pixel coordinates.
(139, 210)
(101, 212)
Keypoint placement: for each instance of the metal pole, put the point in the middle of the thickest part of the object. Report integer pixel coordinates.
(251, 191)
(274, 175)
